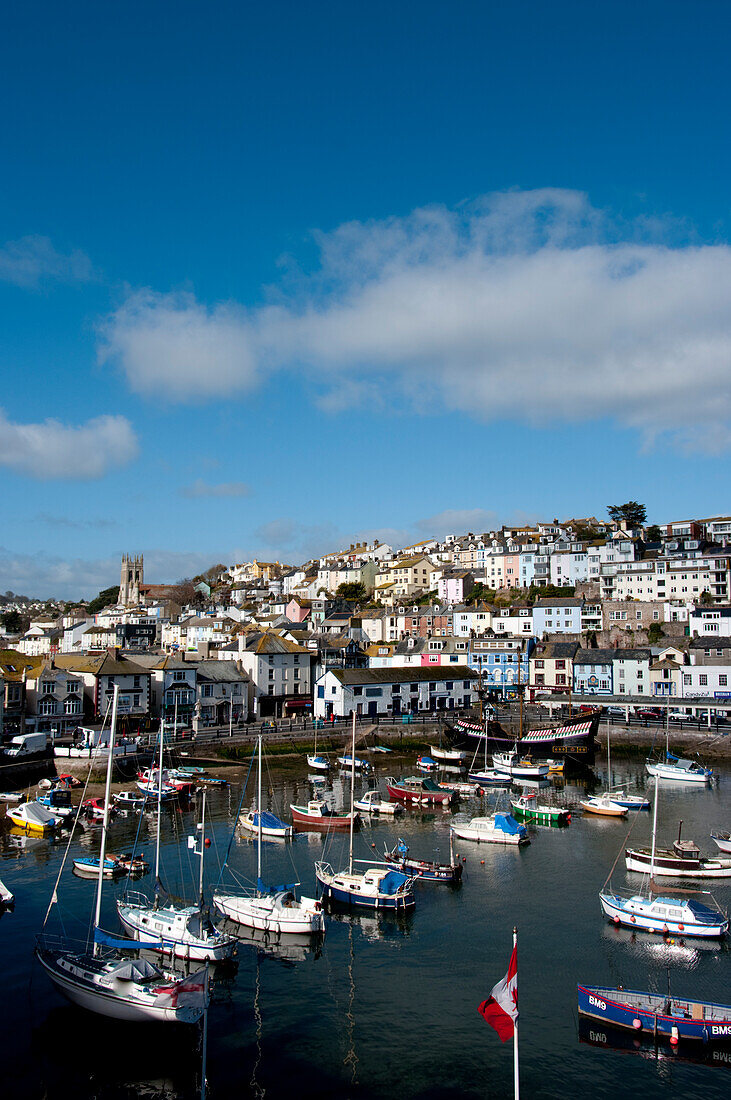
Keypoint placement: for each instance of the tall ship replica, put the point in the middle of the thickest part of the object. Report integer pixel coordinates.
(570, 739)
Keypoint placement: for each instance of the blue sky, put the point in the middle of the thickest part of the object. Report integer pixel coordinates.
(277, 277)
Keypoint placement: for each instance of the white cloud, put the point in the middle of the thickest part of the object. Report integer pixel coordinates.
(200, 488)
(55, 450)
(33, 260)
(169, 344)
(525, 305)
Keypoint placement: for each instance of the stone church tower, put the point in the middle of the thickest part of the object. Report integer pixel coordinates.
(132, 577)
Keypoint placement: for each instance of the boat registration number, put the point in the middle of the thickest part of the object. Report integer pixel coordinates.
(596, 1003)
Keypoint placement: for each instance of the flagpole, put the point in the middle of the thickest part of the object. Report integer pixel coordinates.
(516, 1072)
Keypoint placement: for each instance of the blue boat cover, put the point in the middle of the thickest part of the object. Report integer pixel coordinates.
(506, 823)
(703, 913)
(269, 821)
(125, 945)
(392, 882)
(281, 889)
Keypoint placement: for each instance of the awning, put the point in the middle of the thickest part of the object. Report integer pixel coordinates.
(298, 704)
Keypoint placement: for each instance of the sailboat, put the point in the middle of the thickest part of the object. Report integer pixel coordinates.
(318, 763)
(618, 797)
(376, 887)
(270, 909)
(185, 932)
(108, 982)
(675, 768)
(683, 916)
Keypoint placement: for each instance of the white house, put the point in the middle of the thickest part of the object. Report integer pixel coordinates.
(390, 691)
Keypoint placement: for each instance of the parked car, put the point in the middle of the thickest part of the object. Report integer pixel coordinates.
(649, 712)
(681, 716)
(615, 710)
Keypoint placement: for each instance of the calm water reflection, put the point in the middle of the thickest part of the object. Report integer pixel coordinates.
(382, 1007)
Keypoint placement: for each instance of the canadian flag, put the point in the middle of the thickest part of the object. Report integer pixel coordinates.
(501, 1007)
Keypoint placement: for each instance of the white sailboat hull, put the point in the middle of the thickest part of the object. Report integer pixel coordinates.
(677, 775)
(197, 949)
(642, 917)
(268, 914)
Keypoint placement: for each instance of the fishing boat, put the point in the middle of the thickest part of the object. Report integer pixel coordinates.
(7, 898)
(683, 860)
(655, 1014)
(417, 790)
(371, 803)
(318, 815)
(722, 841)
(426, 763)
(519, 767)
(603, 805)
(34, 818)
(269, 908)
(272, 827)
(183, 932)
(379, 888)
(499, 828)
(58, 801)
(527, 808)
(104, 980)
(448, 756)
(683, 916)
(423, 870)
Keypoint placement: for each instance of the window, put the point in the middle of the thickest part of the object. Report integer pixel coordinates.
(136, 681)
(206, 690)
(72, 687)
(135, 700)
(48, 687)
(703, 680)
(357, 691)
(541, 664)
(687, 679)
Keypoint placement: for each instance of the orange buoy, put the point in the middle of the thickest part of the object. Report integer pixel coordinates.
(637, 1024)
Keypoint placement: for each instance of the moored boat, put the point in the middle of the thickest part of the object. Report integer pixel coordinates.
(603, 805)
(500, 828)
(423, 870)
(683, 860)
(722, 841)
(527, 808)
(517, 766)
(658, 1015)
(7, 898)
(318, 815)
(34, 818)
(359, 765)
(419, 790)
(448, 756)
(426, 763)
(678, 770)
(272, 827)
(371, 803)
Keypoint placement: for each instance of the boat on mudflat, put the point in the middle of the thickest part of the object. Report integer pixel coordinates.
(656, 1014)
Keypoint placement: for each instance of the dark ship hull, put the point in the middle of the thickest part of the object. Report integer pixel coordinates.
(572, 739)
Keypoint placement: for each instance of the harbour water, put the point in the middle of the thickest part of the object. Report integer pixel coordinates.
(385, 1006)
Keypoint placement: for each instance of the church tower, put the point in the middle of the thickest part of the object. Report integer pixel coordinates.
(131, 578)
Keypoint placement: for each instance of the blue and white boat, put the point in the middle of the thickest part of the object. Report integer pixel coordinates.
(500, 828)
(655, 1014)
(272, 827)
(354, 762)
(426, 763)
(318, 763)
(89, 866)
(678, 770)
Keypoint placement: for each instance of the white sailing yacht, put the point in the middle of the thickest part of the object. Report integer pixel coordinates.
(374, 888)
(276, 909)
(675, 768)
(682, 916)
(106, 981)
(186, 932)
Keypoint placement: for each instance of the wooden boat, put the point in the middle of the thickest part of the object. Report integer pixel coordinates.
(683, 860)
(571, 739)
(655, 1014)
(527, 808)
(34, 818)
(500, 828)
(722, 841)
(419, 790)
(448, 756)
(318, 815)
(371, 803)
(603, 805)
(423, 870)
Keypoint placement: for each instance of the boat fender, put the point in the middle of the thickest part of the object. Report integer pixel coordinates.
(665, 930)
(482, 862)
(681, 928)
(372, 845)
(674, 1036)
(464, 859)
(633, 919)
(637, 1024)
(616, 920)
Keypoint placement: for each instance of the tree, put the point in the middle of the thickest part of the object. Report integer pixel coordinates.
(106, 597)
(632, 513)
(12, 622)
(706, 597)
(653, 533)
(654, 633)
(352, 590)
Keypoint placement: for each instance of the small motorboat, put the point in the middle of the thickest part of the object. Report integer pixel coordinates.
(722, 841)
(88, 867)
(147, 783)
(58, 801)
(69, 781)
(131, 864)
(681, 916)
(527, 808)
(464, 788)
(271, 826)
(520, 767)
(423, 870)
(34, 818)
(11, 797)
(318, 763)
(448, 756)
(490, 778)
(93, 810)
(426, 763)
(360, 765)
(318, 815)
(129, 801)
(603, 805)
(656, 1014)
(629, 801)
(500, 828)
(556, 767)
(372, 803)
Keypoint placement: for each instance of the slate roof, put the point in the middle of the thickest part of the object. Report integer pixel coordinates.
(350, 676)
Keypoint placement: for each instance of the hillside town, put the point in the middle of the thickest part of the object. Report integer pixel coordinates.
(612, 610)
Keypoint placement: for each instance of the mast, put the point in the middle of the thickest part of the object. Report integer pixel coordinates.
(258, 831)
(520, 694)
(159, 810)
(105, 823)
(609, 759)
(516, 1073)
(352, 790)
(203, 846)
(654, 829)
